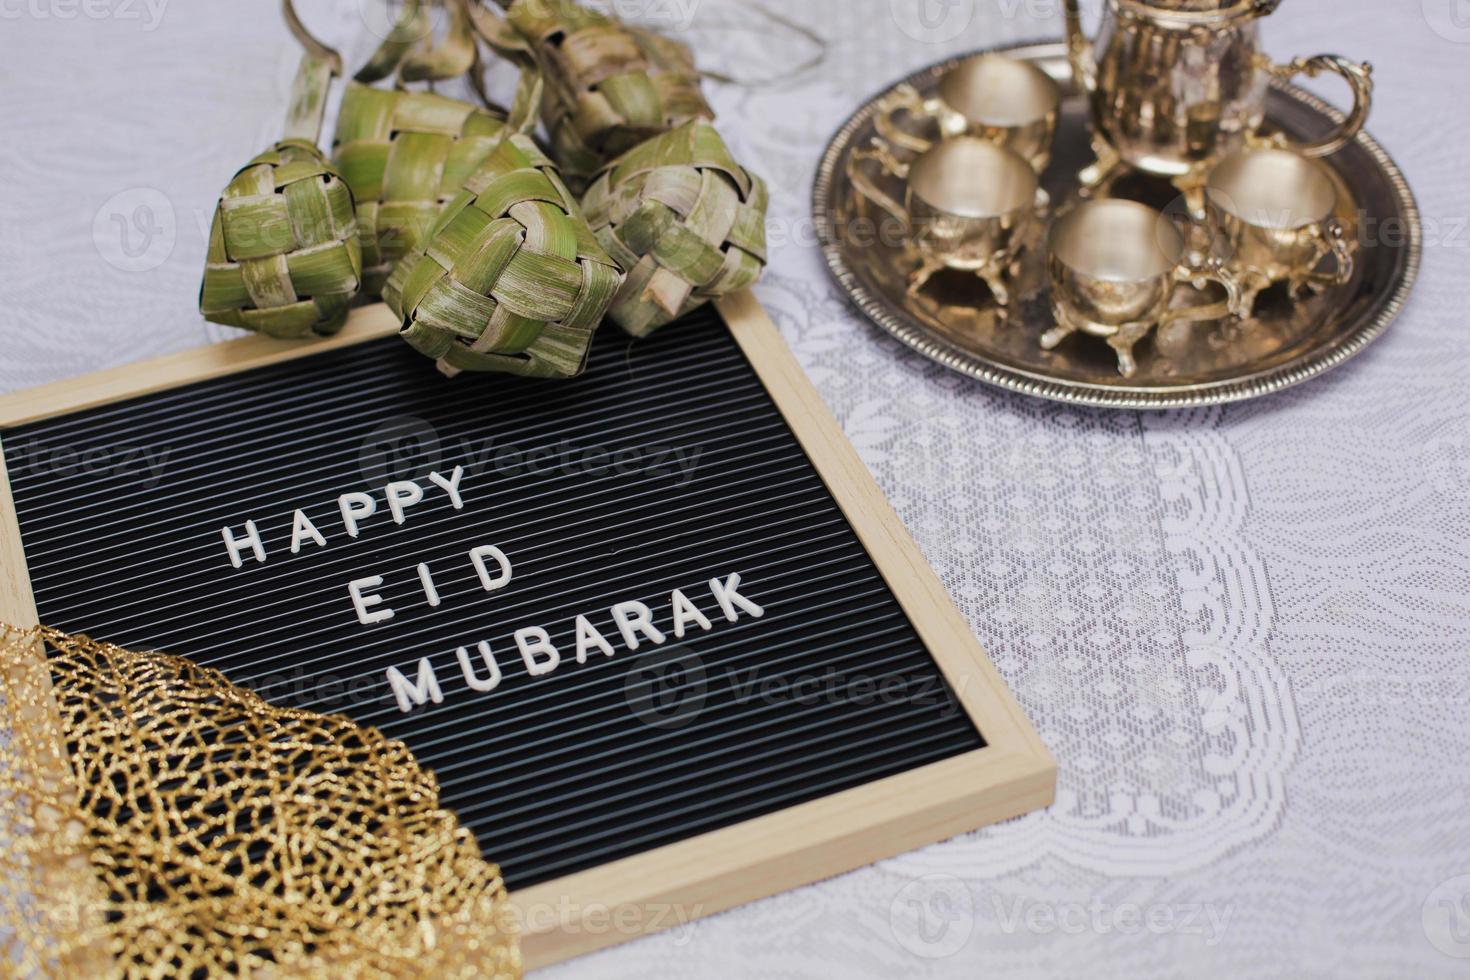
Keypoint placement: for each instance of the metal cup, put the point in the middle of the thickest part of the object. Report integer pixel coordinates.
(1006, 101)
(1276, 212)
(1115, 268)
(967, 204)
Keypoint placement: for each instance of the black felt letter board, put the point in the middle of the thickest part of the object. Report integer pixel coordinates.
(664, 466)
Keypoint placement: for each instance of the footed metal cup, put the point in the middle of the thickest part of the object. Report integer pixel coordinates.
(1004, 100)
(1115, 268)
(1275, 213)
(968, 204)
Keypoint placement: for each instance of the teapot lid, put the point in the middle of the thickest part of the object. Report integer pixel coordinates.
(1204, 11)
(1210, 6)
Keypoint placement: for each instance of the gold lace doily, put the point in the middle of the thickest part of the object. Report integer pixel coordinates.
(156, 820)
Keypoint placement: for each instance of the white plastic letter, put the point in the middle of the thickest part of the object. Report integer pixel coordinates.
(427, 581)
(470, 678)
(500, 581)
(301, 529)
(686, 612)
(634, 618)
(588, 636)
(236, 546)
(450, 486)
(531, 641)
(402, 496)
(418, 694)
(728, 596)
(355, 507)
(362, 602)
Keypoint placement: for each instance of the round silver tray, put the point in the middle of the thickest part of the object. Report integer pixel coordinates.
(1285, 343)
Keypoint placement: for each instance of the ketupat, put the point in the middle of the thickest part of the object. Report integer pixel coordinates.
(609, 86)
(405, 154)
(683, 219)
(283, 255)
(510, 278)
(283, 250)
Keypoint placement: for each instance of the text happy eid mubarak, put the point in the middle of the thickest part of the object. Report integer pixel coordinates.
(633, 621)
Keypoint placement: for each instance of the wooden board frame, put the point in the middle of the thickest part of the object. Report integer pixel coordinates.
(1013, 774)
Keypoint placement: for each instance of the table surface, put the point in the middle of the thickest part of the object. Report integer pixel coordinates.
(1243, 631)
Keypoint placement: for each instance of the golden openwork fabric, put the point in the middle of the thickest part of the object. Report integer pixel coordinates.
(165, 822)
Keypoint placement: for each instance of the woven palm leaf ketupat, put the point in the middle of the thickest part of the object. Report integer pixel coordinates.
(510, 278)
(283, 252)
(609, 86)
(283, 255)
(405, 154)
(683, 219)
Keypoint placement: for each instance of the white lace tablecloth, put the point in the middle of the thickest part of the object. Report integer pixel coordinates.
(1244, 632)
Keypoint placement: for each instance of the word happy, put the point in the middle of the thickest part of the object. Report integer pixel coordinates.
(634, 622)
(355, 509)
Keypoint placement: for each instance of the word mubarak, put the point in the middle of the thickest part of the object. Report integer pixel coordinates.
(633, 621)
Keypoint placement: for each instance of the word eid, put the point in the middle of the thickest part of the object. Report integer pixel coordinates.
(634, 622)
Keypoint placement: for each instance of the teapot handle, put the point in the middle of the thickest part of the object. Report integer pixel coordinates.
(1358, 75)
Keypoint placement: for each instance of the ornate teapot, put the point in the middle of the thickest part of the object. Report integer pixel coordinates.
(1176, 85)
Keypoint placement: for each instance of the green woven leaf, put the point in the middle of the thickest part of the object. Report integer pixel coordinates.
(405, 154)
(609, 87)
(283, 252)
(509, 278)
(683, 220)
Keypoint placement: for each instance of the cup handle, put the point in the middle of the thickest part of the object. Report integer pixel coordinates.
(905, 98)
(1358, 75)
(1212, 271)
(878, 152)
(1336, 245)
